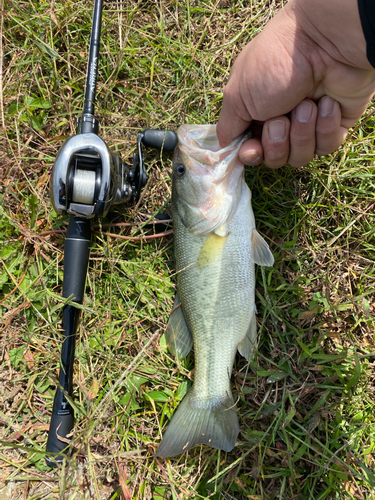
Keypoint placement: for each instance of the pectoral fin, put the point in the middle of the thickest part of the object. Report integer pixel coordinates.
(178, 335)
(260, 252)
(211, 249)
(248, 343)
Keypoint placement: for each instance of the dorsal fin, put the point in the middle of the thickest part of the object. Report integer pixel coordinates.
(260, 252)
(178, 335)
(248, 343)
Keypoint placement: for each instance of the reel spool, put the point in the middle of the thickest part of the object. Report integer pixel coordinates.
(84, 187)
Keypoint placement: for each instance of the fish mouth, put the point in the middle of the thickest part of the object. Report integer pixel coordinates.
(200, 150)
(201, 144)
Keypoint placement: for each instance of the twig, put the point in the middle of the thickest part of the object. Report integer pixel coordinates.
(16, 287)
(356, 219)
(135, 238)
(134, 224)
(166, 477)
(115, 224)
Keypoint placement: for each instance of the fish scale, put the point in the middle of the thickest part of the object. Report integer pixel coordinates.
(215, 287)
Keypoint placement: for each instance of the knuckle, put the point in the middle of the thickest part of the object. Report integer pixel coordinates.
(276, 156)
(326, 144)
(298, 162)
(325, 133)
(303, 140)
(302, 134)
(327, 127)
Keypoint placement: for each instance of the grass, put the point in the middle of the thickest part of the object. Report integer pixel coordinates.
(306, 403)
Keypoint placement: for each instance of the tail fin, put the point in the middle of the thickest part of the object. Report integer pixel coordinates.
(215, 425)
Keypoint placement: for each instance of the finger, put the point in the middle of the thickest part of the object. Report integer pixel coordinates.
(275, 141)
(256, 129)
(329, 132)
(238, 119)
(251, 152)
(302, 133)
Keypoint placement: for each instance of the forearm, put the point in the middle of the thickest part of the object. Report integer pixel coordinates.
(367, 15)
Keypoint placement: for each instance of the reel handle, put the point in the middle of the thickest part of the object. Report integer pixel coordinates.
(155, 138)
(160, 139)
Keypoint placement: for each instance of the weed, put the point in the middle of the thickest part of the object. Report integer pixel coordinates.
(305, 404)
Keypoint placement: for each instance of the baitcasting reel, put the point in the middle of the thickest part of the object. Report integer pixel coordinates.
(88, 178)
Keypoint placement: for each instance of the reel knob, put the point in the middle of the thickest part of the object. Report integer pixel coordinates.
(155, 138)
(160, 139)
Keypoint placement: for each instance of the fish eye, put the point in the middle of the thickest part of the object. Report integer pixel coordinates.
(179, 170)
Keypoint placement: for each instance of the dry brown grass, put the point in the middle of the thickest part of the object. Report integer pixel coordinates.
(305, 404)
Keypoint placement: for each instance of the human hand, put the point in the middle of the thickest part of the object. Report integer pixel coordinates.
(310, 63)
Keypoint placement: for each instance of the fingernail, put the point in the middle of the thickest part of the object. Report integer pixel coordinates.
(251, 156)
(303, 111)
(326, 105)
(276, 130)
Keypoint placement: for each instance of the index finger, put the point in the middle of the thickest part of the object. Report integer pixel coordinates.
(230, 124)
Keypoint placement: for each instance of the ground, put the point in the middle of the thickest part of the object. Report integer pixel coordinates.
(306, 401)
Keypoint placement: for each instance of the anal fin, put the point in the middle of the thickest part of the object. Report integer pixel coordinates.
(179, 338)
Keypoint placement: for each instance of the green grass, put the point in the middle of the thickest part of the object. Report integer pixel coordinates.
(306, 403)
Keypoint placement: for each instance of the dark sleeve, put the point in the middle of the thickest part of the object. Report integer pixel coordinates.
(367, 15)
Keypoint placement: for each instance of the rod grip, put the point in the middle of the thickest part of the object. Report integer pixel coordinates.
(62, 419)
(61, 425)
(76, 259)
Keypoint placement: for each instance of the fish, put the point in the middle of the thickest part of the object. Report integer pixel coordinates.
(216, 247)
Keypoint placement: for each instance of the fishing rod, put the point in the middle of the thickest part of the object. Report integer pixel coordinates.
(87, 180)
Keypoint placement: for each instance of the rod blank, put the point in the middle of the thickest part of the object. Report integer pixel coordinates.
(92, 66)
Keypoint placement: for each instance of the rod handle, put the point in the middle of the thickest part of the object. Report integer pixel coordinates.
(76, 258)
(61, 425)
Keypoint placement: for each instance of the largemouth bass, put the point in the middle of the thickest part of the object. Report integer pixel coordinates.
(216, 246)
